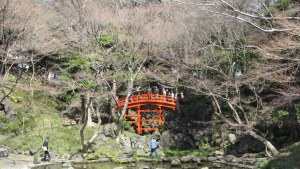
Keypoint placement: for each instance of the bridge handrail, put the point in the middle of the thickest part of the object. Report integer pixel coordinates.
(147, 97)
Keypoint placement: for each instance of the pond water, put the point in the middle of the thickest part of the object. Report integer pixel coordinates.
(140, 165)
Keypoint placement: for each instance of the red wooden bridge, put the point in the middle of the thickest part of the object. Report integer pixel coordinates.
(138, 101)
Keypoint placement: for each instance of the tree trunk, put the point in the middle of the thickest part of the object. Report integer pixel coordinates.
(89, 116)
(86, 102)
(294, 124)
(112, 103)
(82, 114)
(96, 133)
(120, 121)
(2, 68)
(265, 142)
(176, 94)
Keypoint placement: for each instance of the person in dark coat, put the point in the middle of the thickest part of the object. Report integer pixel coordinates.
(46, 151)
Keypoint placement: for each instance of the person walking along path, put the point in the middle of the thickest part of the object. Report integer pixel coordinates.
(46, 150)
(153, 147)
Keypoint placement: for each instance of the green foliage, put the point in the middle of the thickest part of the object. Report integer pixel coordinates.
(68, 97)
(231, 62)
(64, 78)
(263, 22)
(289, 158)
(87, 85)
(77, 63)
(106, 40)
(91, 156)
(277, 124)
(62, 139)
(15, 96)
(297, 107)
(259, 163)
(196, 101)
(146, 155)
(245, 59)
(125, 124)
(36, 159)
(283, 5)
(250, 114)
(175, 153)
(162, 128)
(106, 149)
(10, 127)
(217, 138)
(203, 146)
(4, 119)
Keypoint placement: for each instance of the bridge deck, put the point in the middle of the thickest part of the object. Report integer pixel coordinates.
(145, 99)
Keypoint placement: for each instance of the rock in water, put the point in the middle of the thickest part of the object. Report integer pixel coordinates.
(67, 165)
(175, 162)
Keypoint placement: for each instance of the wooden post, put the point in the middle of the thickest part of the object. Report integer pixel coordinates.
(159, 115)
(139, 121)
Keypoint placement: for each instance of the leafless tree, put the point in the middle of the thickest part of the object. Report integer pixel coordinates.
(25, 38)
(249, 12)
(134, 64)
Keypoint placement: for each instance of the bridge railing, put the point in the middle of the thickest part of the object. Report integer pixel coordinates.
(147, 98)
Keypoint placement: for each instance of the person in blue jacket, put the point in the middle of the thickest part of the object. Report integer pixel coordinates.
(153, 147)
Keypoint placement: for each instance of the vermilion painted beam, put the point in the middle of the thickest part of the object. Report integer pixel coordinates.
(131, 115)
(149, 128)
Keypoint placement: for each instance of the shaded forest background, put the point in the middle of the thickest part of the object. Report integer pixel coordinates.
(240, 57)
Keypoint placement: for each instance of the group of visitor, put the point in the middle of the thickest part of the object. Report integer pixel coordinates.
(168, 94)
(165, 92)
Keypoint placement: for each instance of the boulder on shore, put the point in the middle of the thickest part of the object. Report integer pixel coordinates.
(189, 158)
(4, 152)
(65, 156)
(32, 151)
(77, 157)
(125, 154)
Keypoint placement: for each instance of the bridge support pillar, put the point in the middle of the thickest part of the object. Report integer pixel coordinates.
(139, 122)
(160, 121)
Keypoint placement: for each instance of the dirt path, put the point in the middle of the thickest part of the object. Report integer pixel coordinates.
(18, 161)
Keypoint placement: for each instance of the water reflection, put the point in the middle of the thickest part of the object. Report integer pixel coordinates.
(140, 165)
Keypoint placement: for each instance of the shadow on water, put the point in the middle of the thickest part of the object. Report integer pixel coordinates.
(140, 165)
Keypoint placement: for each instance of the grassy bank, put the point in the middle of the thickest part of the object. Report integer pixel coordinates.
(288, 158)
(62, 139)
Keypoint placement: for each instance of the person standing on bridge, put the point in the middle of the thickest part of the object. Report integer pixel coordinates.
(149, 90)
(156, 91)
(131, 97)
(153, 147)
(164, 93)
(172, 94)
